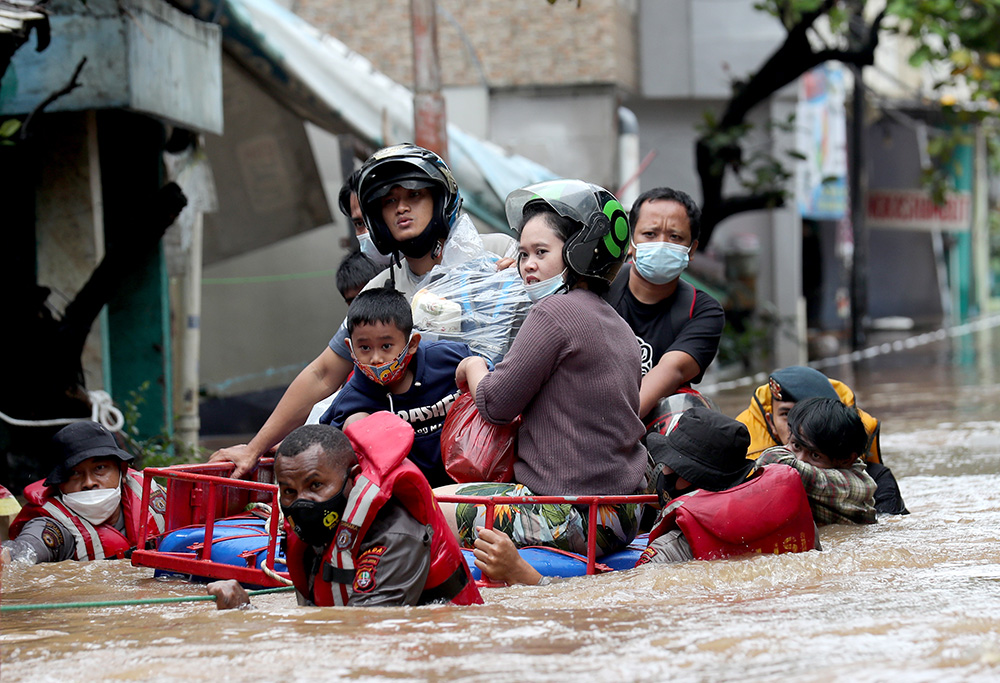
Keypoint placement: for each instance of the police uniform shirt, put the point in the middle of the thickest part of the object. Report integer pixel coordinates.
(48, 540)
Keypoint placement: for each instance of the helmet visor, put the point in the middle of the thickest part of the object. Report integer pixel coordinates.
(405, 183)
(572, 199)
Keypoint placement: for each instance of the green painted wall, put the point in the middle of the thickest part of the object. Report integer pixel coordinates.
(138, 316)
(960, 262)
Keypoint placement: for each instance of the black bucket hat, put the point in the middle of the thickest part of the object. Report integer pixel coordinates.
(79, 441)
(706, 448)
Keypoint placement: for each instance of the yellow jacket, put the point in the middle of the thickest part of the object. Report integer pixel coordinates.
(761, 437)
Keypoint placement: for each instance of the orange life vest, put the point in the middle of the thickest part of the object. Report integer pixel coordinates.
(102, 541)
(766, 514)
(381, 442)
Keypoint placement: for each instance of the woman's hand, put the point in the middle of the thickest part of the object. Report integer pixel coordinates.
(505, 263)
(469, 373)
(497, 557)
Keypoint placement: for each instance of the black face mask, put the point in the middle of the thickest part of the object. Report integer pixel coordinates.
(315, 522)
(666, 487)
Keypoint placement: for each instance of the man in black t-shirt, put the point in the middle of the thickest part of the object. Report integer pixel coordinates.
(678, 327)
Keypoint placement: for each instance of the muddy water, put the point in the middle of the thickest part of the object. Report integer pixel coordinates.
(913, 598)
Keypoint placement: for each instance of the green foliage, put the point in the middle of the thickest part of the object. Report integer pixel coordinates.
(744, 346)
(959, 39)
(789, 13)
(756, 172)
(8, 129)
(962, 35)
(160, 450)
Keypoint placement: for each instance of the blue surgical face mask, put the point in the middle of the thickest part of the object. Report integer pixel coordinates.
(369, 250)
(661, 262)
(543, 288)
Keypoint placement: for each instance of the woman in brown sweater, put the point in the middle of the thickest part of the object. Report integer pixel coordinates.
(572, 374)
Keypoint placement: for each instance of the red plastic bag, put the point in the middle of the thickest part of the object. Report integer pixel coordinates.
(472, 448)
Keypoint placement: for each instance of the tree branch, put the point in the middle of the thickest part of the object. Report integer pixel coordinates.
(152, 216)
(750, 202)
(67, 89)
(793, 58)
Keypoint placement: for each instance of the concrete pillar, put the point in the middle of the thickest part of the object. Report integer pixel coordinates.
(786, 261)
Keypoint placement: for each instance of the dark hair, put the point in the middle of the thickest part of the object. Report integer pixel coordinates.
(355, 271)
(564, 228)
(668, 194)
(336, 447)
(827, 426)
(380, 305)
(349, 187)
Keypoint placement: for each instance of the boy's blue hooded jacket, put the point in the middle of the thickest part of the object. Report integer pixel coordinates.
(424, 405)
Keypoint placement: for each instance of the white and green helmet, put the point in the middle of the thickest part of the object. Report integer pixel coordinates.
(598, 249)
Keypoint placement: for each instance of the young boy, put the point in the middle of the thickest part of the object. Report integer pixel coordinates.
(398, 373)
(826, 440)
(767, 420)
(353, 274)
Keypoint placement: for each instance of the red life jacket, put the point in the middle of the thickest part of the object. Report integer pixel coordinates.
(102, 541)
(381, 442)
(766, 514)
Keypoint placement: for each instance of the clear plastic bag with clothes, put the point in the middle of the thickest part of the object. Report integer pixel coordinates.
(473, 303)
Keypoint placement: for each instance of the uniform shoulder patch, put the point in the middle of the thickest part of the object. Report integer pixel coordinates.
(158, 500)
(52, 535)
(346, 535)
(365, 578)
(647, 556)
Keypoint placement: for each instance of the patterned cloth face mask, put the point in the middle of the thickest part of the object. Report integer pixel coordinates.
(385, 373)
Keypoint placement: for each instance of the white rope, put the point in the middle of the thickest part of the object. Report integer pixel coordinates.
(102, 410)
(983, 323)
(277, 577)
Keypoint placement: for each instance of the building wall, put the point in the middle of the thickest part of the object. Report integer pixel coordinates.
(259, 334)
(69, 223)
(499, 64)
(572, 132)
(504, 44)
(694, 48)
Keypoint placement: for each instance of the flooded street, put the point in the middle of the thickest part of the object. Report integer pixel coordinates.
(914, 598)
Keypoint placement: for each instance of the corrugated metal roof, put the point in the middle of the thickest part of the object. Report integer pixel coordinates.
(18, 17)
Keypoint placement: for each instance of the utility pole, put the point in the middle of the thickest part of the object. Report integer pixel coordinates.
(430, 121)
(858, 182)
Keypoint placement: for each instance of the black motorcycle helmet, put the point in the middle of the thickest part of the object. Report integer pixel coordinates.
(411, 167)
(599, 247)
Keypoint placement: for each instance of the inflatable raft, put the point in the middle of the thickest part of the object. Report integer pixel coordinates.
(560, 563)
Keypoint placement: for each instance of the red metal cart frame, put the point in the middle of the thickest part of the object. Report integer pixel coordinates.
(195, 496)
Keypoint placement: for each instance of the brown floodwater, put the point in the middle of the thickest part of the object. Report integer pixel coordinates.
(913, 598)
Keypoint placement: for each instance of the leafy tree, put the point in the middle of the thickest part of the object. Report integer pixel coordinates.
(959, 38)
